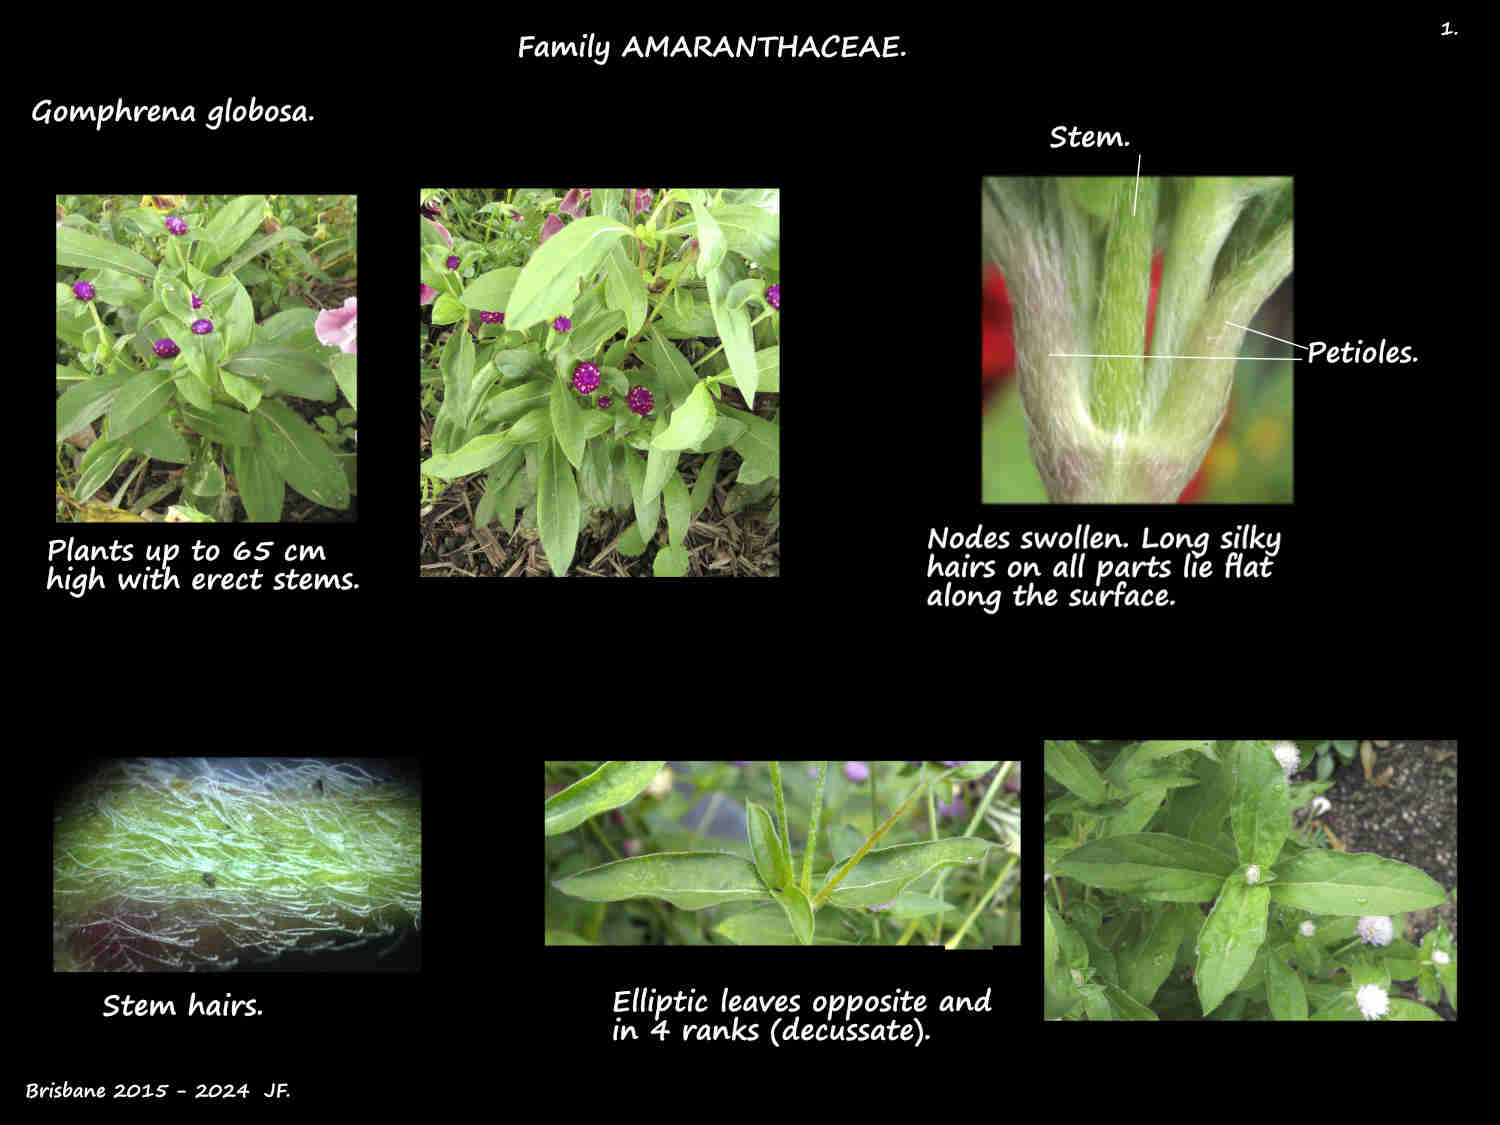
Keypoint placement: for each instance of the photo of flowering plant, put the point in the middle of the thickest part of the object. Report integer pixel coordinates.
(783, 853)
(601, 382)
(207, 359)
(1190, 880)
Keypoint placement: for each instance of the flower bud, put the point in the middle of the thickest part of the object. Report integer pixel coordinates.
(202, 327)
(773, 296)
(165, 348)
(1252, 874)
(492, 317)
(175, 225)
(1439, 957)
(1289, 757)
(83, 290)
(1307, 928)
(452, 262)
(561, 324)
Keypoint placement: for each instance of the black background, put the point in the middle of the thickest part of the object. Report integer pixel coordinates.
(879, 162)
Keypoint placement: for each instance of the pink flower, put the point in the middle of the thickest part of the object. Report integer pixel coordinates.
(550, 226)
(336, 327)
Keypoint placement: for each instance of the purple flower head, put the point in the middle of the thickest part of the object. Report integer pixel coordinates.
(197, 300)
(516, 218)
(432, 208)
(856, 771)
(83, 290)
(572, 203)
(604, 400)
(429, 294)
(202, 327)
(642, 200)
(561, 324)
(452, 261)
(640, 401)
(550, 226)
(773, 296)
(491, 317)
(165, 348)
(585, 378)
(176, 225)
(337, 327)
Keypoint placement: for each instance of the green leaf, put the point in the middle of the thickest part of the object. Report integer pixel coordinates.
(1229, 940)
(82, 403)
(647, 510)
(1067, 764)
(735, 334)
(1162, 867)
(301, 455)
(557, 515)
(885, 872)
(1260, 807)
(142, 398)
(346, 374)
(84, 251)
(490, 292)
(624, 289)
(1334, 883)
(228, 230)
(1284, 991)
(767, 848)
(1152, 960)
(766, 925)
(690, 880)
(567, 423)
(247, 392)
(286, 370)
(759, 445)
(711, 244)
(768, 361)
(611, 785)
(691, 422)
(548, 284)
(798, 910)
(222, 424)
(512, 402)
(477, 453)
(676, 374)
(670, 562)
(262, 488)
(679, 509)
(751, 288)
(98, 465)
(447, 310)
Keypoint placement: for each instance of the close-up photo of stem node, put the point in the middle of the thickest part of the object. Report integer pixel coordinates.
(1124, 382)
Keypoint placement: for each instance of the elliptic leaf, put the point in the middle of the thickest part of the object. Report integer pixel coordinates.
(885, 872)
(691, 880)
(611, 785)
(1229, 940)
(1260, 807)
(1336, 883)
(1167, 868)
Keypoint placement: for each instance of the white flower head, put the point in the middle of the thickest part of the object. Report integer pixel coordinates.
(1308, 928)
(1439, 957)
(1373, 1001)
(1289, 757)
(1252, 874)
(1319, 806)
(1375, 929)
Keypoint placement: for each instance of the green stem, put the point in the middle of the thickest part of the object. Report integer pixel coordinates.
(984, 899)
(781, 818)
(812, 830)
(1115, 394)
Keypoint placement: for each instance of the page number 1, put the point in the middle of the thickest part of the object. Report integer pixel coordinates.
(1448, 28)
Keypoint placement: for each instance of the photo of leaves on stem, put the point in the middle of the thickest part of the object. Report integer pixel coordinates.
(783, 853)
(1137, 339)
(1192, 880)
(206, 358)
(601, 382)
(205, 864)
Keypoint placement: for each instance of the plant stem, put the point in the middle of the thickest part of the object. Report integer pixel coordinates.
(812, 831)
(1116, 397)
(781, 819)
(891, 821)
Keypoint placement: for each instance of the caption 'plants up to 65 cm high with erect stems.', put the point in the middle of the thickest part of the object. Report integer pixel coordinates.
(867, 874)
(1143, 837)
